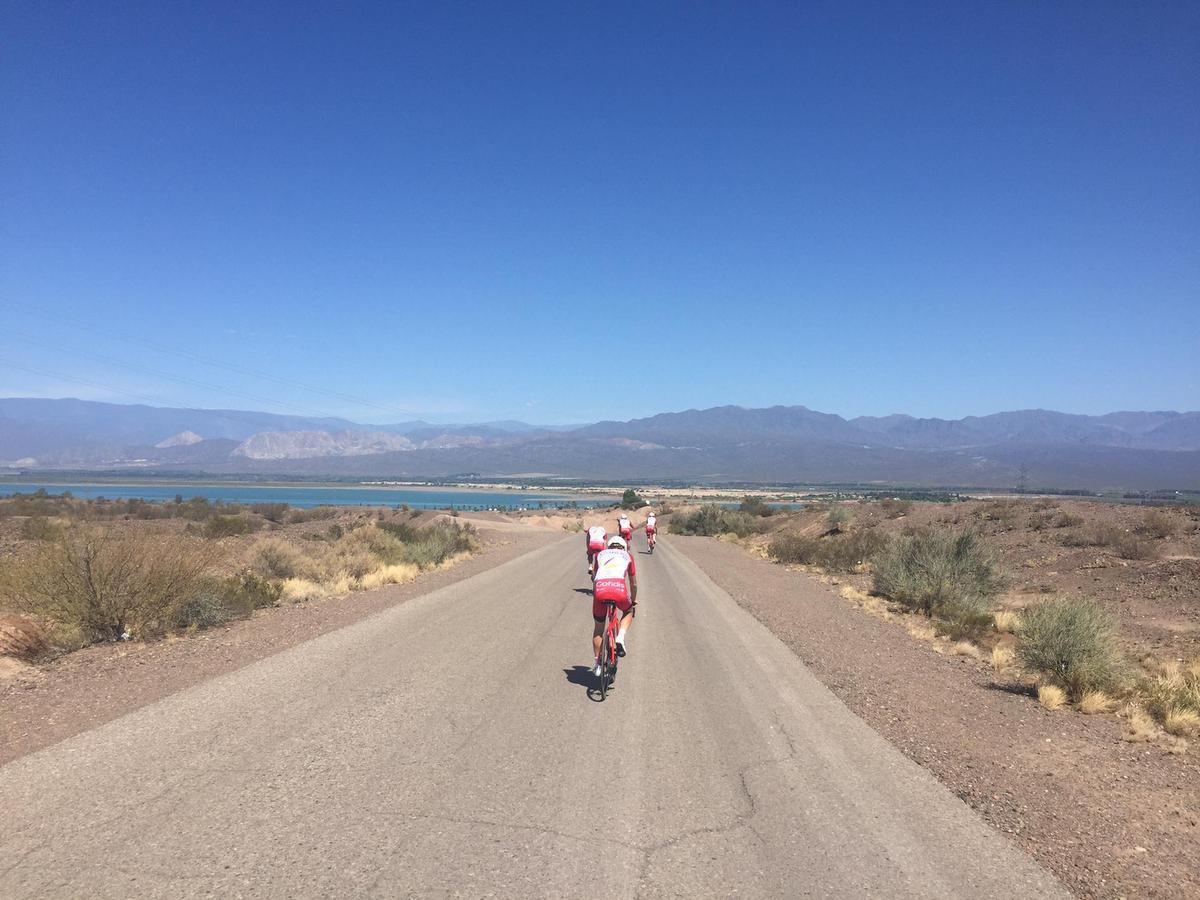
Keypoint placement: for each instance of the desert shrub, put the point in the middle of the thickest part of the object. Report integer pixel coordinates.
(947, 576)
(790, 547)
(895, 507)
(227, 526)
(1039, 521)
(837, 519)
(1065, 520)
(42, 528)
(278, 559)
(835, 552)
(272, 512)
(245, 592)
(437, 543)
(1157, 524)
(1071, 641)
(757, 506)
(401, 530)
(300, 516)
(1132, 546)
(999, 511)
(203, 608)
(380, 543)
(711, 519)
(23, 638)
(105, 583)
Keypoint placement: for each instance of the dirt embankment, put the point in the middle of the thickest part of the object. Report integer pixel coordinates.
(1108, 817)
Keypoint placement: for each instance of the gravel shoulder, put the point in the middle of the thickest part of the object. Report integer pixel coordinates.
(1109, 818)
(45, 704)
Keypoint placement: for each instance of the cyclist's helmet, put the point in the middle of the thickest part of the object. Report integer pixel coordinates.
(617, 541)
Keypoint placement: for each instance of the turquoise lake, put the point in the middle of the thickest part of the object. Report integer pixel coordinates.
(304, 496)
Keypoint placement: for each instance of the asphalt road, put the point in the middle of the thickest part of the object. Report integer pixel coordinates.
(449, 747)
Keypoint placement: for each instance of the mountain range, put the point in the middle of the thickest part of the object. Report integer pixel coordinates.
(1120, 450)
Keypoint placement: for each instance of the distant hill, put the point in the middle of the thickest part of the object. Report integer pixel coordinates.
(1120, 450)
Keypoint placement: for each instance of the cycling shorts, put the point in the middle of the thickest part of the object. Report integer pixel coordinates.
(595, 547)
(608, 591)
(627, 533)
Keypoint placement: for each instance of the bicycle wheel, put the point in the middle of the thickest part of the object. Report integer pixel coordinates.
(603, 676)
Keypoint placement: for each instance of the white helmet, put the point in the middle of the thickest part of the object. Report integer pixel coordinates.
(617, 541)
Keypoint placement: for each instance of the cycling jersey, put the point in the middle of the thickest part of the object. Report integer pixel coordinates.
(651, 524)
(624, 527)
(612, 566)
(597, 537)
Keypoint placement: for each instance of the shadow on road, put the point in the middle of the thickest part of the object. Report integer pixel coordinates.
(587, 591)
(582, 676)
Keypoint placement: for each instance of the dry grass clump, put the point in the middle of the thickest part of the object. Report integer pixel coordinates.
(399, 573)
(965, 648)
(1094, 702)
(106, 583)
(947, 576)
(921, 631)
(1158, 523)
(1051, 696)
(1173, 695)
(712, 519)
(1006, 621)
(300, 590)
(1140, 726)
(1003, 658)
(1073, 642)
(1182, 723)
(23, 638)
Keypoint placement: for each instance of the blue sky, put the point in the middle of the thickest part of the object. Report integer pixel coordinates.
(567, 212)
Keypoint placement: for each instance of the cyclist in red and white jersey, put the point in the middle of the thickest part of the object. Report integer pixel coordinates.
(651, 527)
(613, 565)
(625, 529)
(597, 539)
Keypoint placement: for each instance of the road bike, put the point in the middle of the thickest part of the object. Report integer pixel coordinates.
(650, 542)
(608, 649)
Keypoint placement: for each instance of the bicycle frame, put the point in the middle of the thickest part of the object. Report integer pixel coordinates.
(608, 650)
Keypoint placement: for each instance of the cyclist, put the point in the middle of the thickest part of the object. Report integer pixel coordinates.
(612, 567)
(597, 539)
(625, 529)
(651, 528)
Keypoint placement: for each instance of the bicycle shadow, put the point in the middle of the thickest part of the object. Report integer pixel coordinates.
(584, 678)
(587, 591)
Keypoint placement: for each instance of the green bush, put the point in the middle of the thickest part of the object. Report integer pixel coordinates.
(630, 499)
(1073, 642)
(948, 576)
(712, 519)
(437, 543)
(227, 526)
